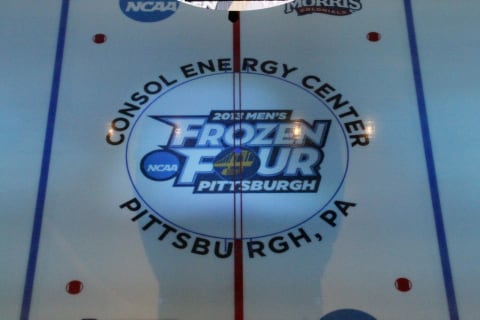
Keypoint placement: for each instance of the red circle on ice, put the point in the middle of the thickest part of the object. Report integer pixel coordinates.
(99, 38)
(373, 36)
(74, 287)
(403, 284)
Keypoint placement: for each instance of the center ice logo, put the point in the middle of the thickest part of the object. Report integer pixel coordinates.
(148, 11)
(188, 149)
(250, 151)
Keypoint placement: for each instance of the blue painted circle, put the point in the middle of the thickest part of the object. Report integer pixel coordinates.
(148, 11)
(159, 165)
(347, 314)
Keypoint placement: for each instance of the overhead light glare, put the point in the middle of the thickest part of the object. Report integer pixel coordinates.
(242, 5)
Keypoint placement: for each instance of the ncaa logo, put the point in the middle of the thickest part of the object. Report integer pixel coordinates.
(148, 11)
(159, 165)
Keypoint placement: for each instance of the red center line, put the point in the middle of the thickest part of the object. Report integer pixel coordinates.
(237, 238)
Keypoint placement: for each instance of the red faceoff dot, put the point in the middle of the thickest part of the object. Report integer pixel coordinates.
(403, 284)
(373, 36)
(99, 38)
(74, 287)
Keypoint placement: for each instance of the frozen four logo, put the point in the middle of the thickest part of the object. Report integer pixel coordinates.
(331, 7)
(250, 151)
